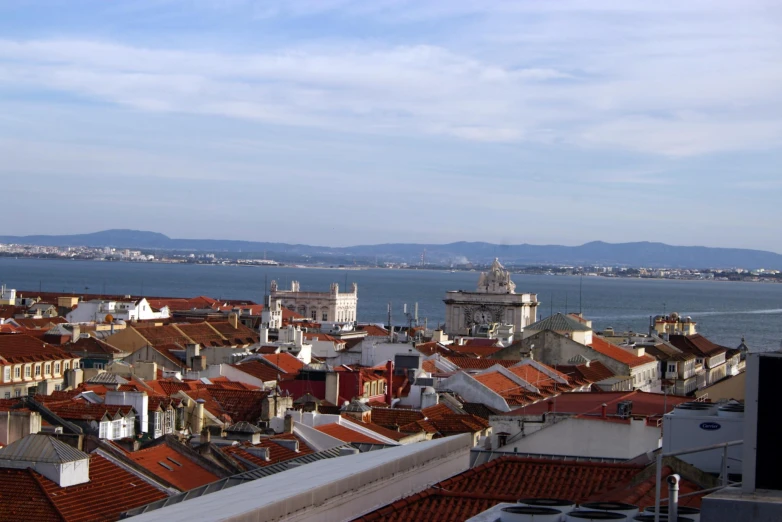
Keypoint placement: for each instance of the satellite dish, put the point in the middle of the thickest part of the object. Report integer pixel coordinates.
(109, 319)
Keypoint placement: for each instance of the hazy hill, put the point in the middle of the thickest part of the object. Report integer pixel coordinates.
(597, 252)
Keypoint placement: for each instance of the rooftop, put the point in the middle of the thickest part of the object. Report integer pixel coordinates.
(559, 323)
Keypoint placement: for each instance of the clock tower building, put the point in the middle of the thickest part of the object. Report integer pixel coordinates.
(494, 301)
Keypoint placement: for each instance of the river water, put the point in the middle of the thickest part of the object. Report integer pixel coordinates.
(725, 311)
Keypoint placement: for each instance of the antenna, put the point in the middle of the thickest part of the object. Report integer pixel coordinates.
(390, 326)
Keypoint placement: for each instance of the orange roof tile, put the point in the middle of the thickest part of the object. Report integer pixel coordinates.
(286, 362)
(345, 434)
(507, 479)
(618, 354)
(173, 467)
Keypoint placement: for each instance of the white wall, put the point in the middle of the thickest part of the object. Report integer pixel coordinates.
(590, 438)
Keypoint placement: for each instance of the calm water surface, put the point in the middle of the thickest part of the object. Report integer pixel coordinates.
(724, 311)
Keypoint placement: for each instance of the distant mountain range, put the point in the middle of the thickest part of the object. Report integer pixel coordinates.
(595, 253)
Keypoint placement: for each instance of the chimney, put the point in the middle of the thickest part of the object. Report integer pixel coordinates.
(389, 382)
(264, 333)
(197, 421)
(603, 410)
(288, 426)
(233, 318)
(206, 436)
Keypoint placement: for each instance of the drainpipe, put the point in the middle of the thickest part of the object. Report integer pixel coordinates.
(673, 497)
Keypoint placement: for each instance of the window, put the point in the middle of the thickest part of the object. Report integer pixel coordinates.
(102, 430)
(314, 315)
(671, 367)
(37, 370)
(7, 395)
(28, 372)
(56, 368)
(116, 429)
(7, 373)
(98, 366)
(47, 369)
(17, 393)
(325, 316)
(17, 372)
(57, 387)
(66, 366)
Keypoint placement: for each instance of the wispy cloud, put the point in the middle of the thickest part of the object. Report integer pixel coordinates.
(674, 81)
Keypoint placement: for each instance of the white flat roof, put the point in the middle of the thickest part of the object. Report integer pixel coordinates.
(312, 483)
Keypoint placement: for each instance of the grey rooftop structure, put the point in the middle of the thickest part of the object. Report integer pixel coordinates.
(41, 448)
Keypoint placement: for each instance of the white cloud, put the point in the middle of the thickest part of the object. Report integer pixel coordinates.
(669, 78)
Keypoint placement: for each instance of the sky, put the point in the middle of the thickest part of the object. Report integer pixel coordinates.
(340, 122)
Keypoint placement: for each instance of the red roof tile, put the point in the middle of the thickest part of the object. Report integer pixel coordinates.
(26, 495)
(473, 363)
(696, 344)
(392, 418)
(286, 362)
(277, 452)
(346, 434)
(373, 330)
(173, 467)
(20, 348)
(618, 354)
(506, 480)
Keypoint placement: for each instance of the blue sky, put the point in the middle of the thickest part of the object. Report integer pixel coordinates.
(350, 122)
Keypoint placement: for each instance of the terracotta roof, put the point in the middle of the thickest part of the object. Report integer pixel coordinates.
(259, 370)
(479, 350)
(236, 336)
(231, 405)
(508, 479)
(380, 430)
(436, 411)
(696, 344)
(392, 418)
(26, 495)
(373, 330)
(345, 434)
(594, 372)
(164, 334)
(286, 362)
(472, 363)
(173, 467)
(499, 383)
(459, 423)
(618, 354)
(429, 366)
(91, 345)
(20, 348)
(75, 410)
(202, 333)
(44, 323)
(277, 452)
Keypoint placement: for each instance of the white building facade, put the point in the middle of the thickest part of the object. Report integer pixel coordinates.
(332, 306)
(97, 310)
(494, 301)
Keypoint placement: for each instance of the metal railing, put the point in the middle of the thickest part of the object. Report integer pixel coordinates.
(723, 475)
